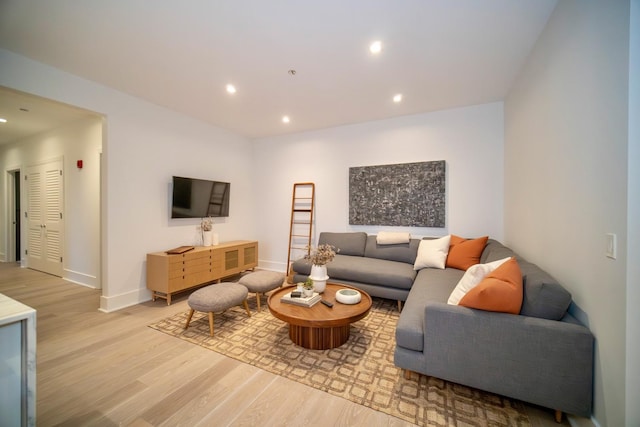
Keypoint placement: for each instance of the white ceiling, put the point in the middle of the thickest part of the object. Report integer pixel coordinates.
(439, 54)
(28, 115)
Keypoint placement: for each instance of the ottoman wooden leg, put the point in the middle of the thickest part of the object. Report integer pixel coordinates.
(246, 307)
(258, 300)
(189, 318)
(211, 323)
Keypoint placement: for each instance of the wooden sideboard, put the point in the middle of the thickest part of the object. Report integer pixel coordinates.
(168, 274)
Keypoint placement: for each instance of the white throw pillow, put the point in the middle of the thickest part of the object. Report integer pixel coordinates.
(392, 238)
(432, 253)
(472, 277)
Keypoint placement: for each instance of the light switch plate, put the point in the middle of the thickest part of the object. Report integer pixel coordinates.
(612, 243)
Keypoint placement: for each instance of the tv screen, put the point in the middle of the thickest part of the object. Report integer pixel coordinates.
(199, 198)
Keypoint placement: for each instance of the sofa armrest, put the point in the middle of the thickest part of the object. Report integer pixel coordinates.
(545, 362)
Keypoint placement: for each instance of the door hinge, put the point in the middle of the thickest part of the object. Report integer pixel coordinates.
(26, 215)
(60, 215)
(26, 177)
(60, 259)
(60, 172)
(26, 251)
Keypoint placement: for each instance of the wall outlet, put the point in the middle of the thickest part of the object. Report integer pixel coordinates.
(612, 243)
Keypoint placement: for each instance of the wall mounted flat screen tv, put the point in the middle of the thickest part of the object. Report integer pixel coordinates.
(199, 198)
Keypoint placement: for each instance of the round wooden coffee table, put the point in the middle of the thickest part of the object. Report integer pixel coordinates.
(319, 327)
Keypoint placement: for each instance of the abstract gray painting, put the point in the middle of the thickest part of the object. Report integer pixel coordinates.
(406, 194)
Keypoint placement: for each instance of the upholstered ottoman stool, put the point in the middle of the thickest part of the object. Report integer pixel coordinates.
(217, 298)
(262, 281)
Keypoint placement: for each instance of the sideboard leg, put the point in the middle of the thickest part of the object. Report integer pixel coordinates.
(407, 374)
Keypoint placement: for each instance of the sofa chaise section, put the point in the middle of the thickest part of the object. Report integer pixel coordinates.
(542, 355)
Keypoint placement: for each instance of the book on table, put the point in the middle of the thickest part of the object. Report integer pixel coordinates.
(301, 301)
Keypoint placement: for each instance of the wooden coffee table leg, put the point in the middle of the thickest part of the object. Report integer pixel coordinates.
(319, 338)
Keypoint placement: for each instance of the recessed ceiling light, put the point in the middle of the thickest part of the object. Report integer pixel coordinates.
(397, 98)
(285, 119)
(3, 120)
(231, 88)
(375, 47)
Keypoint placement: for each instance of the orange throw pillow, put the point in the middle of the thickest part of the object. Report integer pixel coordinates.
(500, 290)
(464, 253)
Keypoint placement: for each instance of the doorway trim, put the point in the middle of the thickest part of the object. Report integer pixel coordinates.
(10, 227)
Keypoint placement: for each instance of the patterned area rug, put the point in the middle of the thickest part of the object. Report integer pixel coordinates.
(361, 370)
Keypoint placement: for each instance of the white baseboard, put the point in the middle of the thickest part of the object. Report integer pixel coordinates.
(128, 299)
(576, 421)
(280, 267)
(118, 302)
(82, 279)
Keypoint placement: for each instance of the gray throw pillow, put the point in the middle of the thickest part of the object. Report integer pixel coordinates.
(543, 296)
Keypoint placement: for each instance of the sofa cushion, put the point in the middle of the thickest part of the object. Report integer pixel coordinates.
(403, 252)
(463, 253)
(495, 250)
(543, 296)
(500, 290)
(432, 253)
(372, 271)
(430, 285)
(347, 243)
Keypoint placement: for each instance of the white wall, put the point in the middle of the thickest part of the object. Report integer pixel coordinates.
(469, 139)
(81, 140)
(566, 174)
(144, 146)
(633, 217)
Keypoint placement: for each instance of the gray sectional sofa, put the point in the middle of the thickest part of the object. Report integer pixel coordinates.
(542, 356)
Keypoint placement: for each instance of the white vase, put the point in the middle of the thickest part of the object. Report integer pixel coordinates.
(319, 277)
(207, 238)
(214, 239)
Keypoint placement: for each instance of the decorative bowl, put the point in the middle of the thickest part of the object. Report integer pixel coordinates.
(348, 296)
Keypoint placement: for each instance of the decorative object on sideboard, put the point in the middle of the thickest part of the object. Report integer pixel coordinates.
(319, 258)
(206, 226)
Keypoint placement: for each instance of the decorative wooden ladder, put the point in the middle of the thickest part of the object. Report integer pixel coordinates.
(302, 206)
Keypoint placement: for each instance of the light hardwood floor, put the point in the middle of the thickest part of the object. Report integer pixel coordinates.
(110, 369)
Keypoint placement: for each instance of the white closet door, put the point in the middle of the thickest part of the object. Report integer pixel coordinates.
(45, 217)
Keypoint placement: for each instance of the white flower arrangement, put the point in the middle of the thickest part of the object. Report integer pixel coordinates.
(321, 255)
(206, 224)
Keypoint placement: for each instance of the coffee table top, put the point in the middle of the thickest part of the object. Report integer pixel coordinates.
(320, 316)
